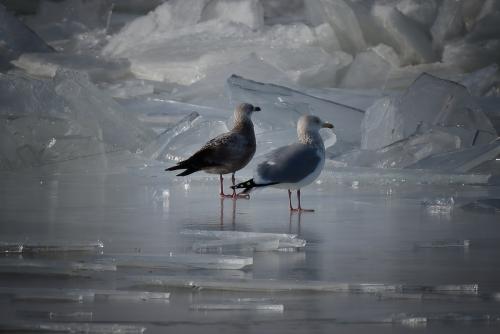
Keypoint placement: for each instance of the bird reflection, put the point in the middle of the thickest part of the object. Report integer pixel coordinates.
(233, 213)
(290, 222)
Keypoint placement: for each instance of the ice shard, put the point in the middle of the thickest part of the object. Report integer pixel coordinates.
(58, 246)
(16, 39)
(428, 102)
(404, 35)
(71, 327)
(52, 266)
(238, 307)
(460, 161)
(98, 68)
(183, 261)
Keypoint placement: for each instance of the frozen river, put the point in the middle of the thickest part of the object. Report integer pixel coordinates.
(357, 235)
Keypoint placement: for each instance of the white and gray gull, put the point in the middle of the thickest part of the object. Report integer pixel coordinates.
(226, 153)
(294, 166)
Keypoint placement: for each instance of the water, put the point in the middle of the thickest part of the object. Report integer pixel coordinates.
(357, 235)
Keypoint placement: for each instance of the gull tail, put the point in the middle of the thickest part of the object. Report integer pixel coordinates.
(249, 185)
(188, 169)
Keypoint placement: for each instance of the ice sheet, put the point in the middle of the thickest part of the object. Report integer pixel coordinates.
(190, 261)
(428, 102)
(98, 68)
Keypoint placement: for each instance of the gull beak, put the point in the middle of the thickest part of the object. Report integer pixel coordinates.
(327, 125)
(256, 108)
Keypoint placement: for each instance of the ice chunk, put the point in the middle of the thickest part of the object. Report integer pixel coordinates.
(195, 261)
(405, 152)
(238, 307)
(70, 327)
(282, 106)
(449, 22)
(471, 56)
(16, 38)
(480, 81)
(443, 244)
(429, 101)
(412, 44)
(247, 12)
(58, 316)
(51, 266)
(9, 247)
(247, 239)
(439, 205)
(63, 246)
(421, 11)
(371, 68)
(234, 244)
(460, 161)
(98, 68)
(343, 20)
(130, 296)
(57, 21)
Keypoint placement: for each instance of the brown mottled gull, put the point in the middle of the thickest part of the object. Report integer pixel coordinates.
(226, 153)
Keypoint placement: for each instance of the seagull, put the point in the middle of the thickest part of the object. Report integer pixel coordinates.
(226, 153)
(294, 166)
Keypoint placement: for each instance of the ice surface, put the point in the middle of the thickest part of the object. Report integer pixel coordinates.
(395, 176)
(449, 22)
(342, 18)
(76, 327)
(428, 102)
(238, 307)
(404, 35)
(16, 38)
(422, 11)
(98, 68)
(461, 161)
(282, 106)
(193, 261)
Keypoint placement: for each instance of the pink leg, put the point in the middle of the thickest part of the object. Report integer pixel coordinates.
(290, 200)
(222, 195)
(300, 208)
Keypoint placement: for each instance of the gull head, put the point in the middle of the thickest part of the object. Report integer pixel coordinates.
(245, 110)
(310, 123)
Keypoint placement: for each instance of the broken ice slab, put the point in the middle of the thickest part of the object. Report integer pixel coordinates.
(81, 295)
(77, 327)
(57, 316)
(255, 240)
(460, 161)
(51, 266)
(17, 38)
(98, 68)
(238, 307)
(449, 23)
(61, 246)
(282, 107)
(257, 285)
(9, 248)
(404, 35)
(395, 176)
(192, 261)
(428, 102)
(443, 244)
